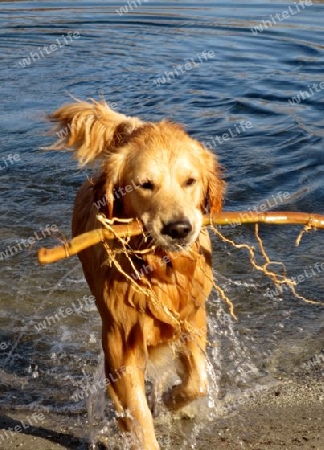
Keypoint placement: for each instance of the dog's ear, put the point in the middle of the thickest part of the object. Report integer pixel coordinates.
(91, 129)
(113, 169)
(107, 198)
(215, 186)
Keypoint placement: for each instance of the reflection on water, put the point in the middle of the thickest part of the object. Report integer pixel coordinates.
(146, 63)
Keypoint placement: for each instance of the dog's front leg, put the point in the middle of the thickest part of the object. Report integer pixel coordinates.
(125, 380)
(194, 376)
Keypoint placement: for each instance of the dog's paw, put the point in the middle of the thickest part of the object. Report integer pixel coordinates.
(188, 412)
(175, 398)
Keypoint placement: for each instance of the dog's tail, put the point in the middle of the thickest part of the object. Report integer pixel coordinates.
(92, 129)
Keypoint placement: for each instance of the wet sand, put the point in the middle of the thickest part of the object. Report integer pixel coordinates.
(288, 416)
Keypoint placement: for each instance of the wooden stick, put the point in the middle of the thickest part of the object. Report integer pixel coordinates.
(273, 218)
(85, 240)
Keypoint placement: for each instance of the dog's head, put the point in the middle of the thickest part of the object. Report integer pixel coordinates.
(154, 171)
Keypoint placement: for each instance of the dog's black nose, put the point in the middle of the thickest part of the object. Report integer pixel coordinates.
(177, 229)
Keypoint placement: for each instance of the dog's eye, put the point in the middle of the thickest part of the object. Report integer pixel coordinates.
(190, 181)
(147, 185)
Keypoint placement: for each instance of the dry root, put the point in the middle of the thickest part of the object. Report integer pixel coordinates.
(306, 229)
(278, 279)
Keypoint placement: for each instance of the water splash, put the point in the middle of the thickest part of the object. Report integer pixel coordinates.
(231, 372)
(96, 402)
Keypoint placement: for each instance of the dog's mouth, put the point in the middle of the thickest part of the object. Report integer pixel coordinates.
(174, 235)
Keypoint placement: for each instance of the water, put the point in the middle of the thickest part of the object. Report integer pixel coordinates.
(276, 161)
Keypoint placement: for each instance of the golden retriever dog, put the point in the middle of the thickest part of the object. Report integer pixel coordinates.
(154, 296)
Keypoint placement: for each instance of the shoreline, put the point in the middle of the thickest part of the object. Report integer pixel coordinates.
(288, 416)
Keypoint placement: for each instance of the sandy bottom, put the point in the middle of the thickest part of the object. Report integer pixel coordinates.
(288, 416)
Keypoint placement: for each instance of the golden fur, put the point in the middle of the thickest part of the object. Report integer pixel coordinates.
(154, 172)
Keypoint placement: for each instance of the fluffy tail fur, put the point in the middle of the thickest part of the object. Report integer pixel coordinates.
(92, 129)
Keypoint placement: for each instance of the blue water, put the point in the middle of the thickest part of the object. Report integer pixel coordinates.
(250, 77)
